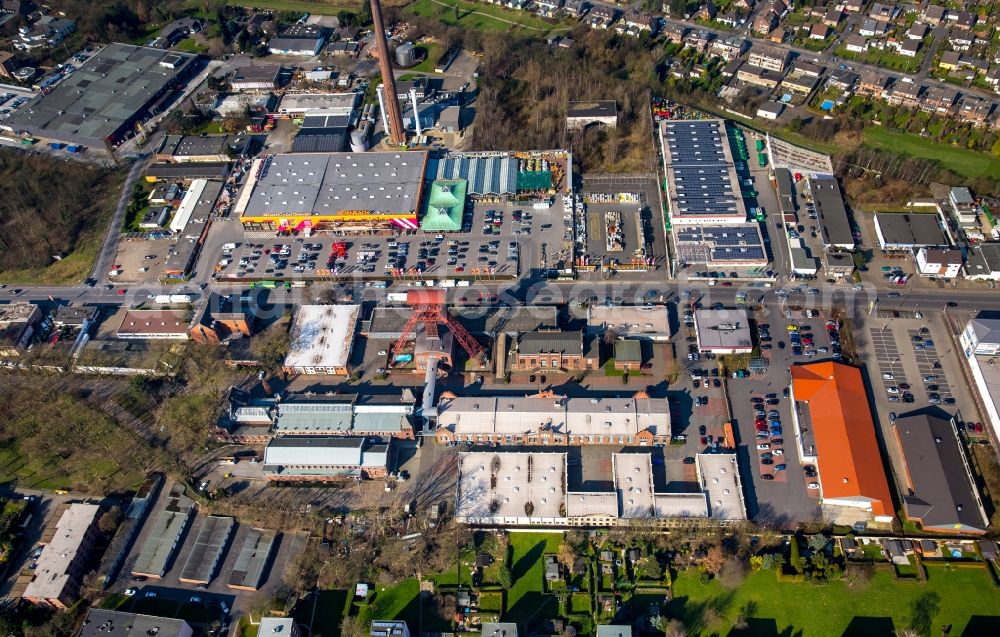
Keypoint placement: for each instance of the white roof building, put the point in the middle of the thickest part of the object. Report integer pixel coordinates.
(632, 321)
(530, 488)
(551, 419)
(322, 337)
(719, 477)
(723, 331)
(60, 567)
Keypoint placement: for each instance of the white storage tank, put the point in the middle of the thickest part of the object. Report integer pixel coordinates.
(406, 54)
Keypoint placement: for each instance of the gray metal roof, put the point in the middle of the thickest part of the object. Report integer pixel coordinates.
(940, 492)
(113, 623)
(248, 571)
(193, 170)
(104, 93)
(490, 175)
(164, 534)
(600, 108)
(911, 230)
(322, 455)
(327, 183)
(545, 342)
(207, 550)
(835, 225)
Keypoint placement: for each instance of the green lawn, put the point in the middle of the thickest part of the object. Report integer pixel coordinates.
(320, 7)
(390, 602)
(962, 161)
(829, 609)
(481, 16)
(526, 597)
(329, 613)
(431, 51)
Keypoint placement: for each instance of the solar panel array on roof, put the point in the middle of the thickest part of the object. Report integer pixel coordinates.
(699, 168)
(331, 139)
(736, 243)
(486, 175)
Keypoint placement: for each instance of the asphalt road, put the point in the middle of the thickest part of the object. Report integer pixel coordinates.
(538, 292)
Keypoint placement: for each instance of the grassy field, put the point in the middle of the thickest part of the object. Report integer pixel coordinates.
(965, 595)
(74, 268)
(329, 613)
(483, 17)
(432, 51)
(962, 161)
(49, 474)
(320, 7)
(526, 597)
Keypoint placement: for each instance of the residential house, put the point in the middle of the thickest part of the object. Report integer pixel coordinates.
(934, 14)
(842, 79)
(872, 28)
(675, 33)
(548, 8)
(729, 48)
(765, 22)
(993, 78)
(767, 57)
(909, 48)
(602, 17)
(950, 61)
(873, 85)
(854, 6)
(965, 20)
(819, 31)
(883, 12)
(833, 17)
(806, 69)
(905, 94)
(8, 64)
(975, 110)
(939, 99)
(699, 39)
(856, 44)
(637, 23)
(961, 40)
(917, 31)
(706, 12)
(575, 8)
(47, 31)
(730, 19)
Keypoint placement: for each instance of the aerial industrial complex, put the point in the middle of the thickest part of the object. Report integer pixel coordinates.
(380, 373)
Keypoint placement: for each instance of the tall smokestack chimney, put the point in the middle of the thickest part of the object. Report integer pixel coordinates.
(391, 102)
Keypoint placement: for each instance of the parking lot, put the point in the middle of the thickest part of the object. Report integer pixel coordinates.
(499, 240)
(762, 416)
(619, 222)
(169, 587)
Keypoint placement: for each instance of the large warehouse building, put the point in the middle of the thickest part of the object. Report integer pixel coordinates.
(345, 191)
(546, 419)
(834, 429)
(534, 489)
(702, 184)
(102, 101)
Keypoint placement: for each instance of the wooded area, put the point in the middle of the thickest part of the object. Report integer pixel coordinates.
(50, 207)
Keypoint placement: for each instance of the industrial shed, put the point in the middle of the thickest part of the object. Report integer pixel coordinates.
(165, 534)
(208, 550)
(248, 572)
